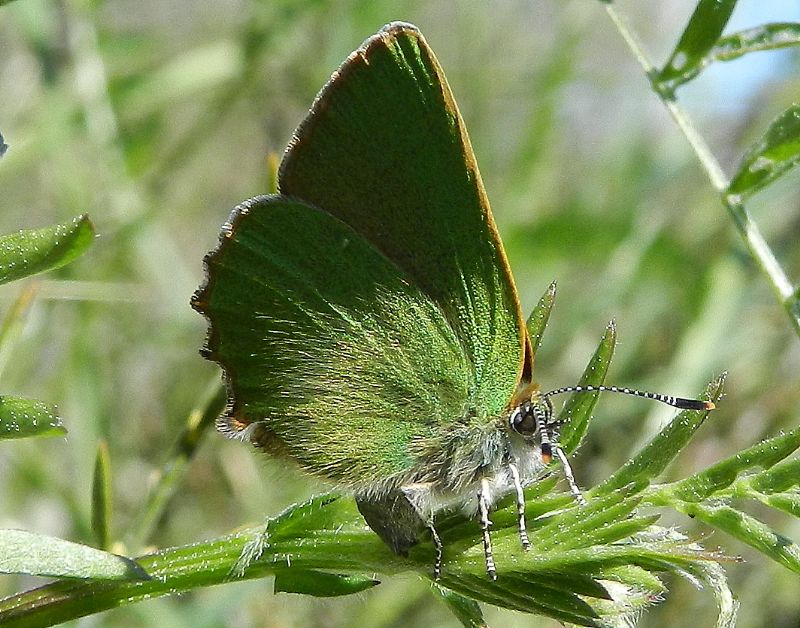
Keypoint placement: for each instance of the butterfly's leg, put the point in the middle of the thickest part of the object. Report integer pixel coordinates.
(523, 532)
(483, 513)
(573, 486)
(437, 544)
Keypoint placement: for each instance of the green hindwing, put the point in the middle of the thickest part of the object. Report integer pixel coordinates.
(324, 340)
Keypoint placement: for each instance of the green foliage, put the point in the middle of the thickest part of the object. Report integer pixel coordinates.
(39, 555)
(588, 187)
(38, 250)
(20, 418)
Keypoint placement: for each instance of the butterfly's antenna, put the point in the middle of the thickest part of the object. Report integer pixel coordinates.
(675, 402)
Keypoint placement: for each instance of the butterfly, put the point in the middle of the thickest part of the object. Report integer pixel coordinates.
(365, 316)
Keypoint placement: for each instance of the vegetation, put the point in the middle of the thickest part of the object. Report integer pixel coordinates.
(662, 205)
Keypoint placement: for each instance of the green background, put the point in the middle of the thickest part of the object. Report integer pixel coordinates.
(156, 117)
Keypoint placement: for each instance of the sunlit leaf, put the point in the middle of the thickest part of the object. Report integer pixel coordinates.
(777, 152)
(37, 250)
(701, 34)
(724, 473)
(537, 321)
(765, 37)
(578, 409)
(659, 452)
(748, 530)
(20, 418)
(38, 555)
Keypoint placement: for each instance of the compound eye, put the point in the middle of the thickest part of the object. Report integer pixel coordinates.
(523, 420)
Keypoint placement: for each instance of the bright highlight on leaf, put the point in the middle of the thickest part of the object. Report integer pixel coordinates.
(21, 418)
(37, 250)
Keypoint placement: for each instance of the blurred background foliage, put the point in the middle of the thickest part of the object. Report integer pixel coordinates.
(156, 118)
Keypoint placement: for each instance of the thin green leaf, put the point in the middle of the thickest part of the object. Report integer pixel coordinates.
(580, 526)
(701, 33)
(633, 576)
(21, 418)
(526, 597)
(37, 555)
(320, 583)
(659, 452)
(537, 321)
(730, 47)
(778, 478)
(787, 502)
(577, 411)
(777, 152)
(36, 250)
(765, 37)
(467, 611)
(101, 496)
(724, 473)
(748, 530)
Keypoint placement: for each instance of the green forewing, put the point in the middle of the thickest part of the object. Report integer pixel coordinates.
(384, 149)
(349, 363)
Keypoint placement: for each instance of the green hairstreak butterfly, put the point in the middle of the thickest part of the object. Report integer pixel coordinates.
(365, 316)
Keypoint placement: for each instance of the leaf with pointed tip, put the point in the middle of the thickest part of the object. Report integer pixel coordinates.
(749, 530)
(38, 555)
(722, 474)
(659, 452)
(467, 611)
(537, 321)
(777, 152)
(698, 38)
(37, 250)
(101, 496)
(577, 411)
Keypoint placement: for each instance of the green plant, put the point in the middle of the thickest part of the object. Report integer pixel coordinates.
(326, 532)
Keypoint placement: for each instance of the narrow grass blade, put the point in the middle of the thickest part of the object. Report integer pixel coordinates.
(701, 33)
(101, 497)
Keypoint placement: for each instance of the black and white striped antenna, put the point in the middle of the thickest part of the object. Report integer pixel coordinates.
(675, 402)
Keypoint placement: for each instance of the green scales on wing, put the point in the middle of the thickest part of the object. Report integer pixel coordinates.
(366, 314)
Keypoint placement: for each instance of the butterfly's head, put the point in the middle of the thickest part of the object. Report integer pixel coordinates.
(533, 420)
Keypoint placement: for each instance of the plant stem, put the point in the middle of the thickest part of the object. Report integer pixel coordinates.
(756, 245)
